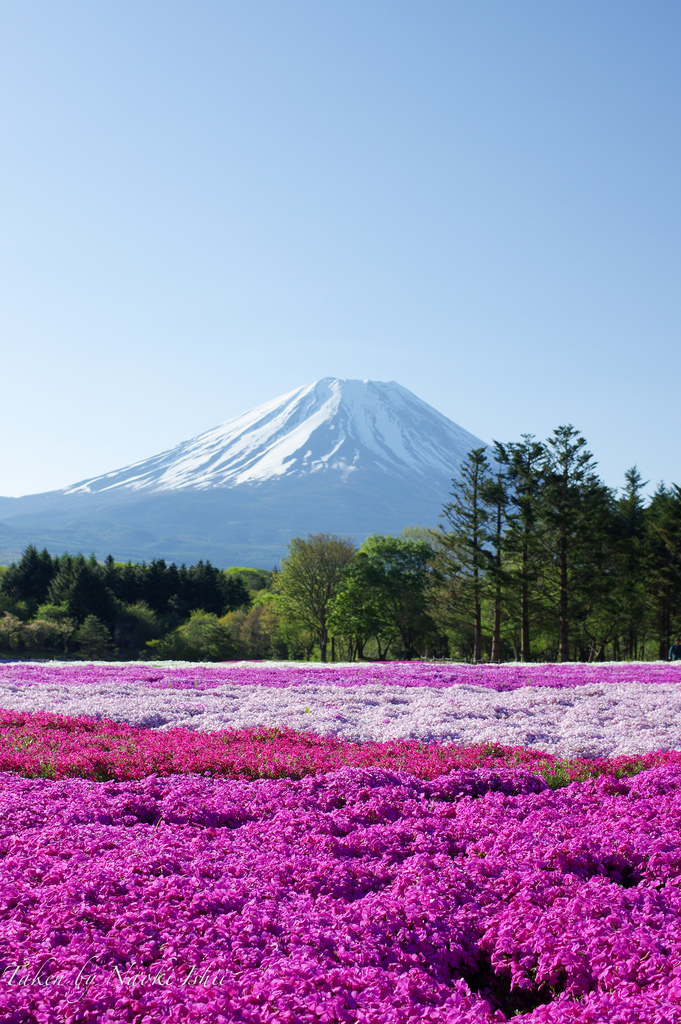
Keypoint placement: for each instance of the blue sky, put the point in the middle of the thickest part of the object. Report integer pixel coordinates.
(207, 204)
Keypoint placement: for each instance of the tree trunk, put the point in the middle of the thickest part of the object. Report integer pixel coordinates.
(477, 653)
(496, 635)
(563, 647)
(496, 632)
(664, 624)
(525, 604)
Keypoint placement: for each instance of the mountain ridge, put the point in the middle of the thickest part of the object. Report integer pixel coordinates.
(348, 457)
(354, 423)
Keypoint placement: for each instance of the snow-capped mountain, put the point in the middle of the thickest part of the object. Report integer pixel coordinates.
(330, 427)
(341, 456)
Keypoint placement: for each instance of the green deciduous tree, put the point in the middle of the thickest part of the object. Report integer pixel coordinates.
(203, 638)
(310, 578)
(257, 630)
(136, 624)
(10, 632)
(42, 635)
(384, 596)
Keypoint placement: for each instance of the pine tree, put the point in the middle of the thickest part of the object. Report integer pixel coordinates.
(496, 497)
(572, 505)
(29, 579)
(466, 557)
(80, 585)
(630, 582)
(523, 462)
(94, 639)
(663, 563)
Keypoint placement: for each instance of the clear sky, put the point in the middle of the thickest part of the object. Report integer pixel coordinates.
(205, 204)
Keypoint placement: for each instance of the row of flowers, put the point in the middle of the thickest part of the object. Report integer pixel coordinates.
(52, 746)
(611, 712)
(190, 675)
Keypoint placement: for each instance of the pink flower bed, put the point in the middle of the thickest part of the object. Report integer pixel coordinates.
(281, 674)
(360, 895)
(265, 875)
(58, 747)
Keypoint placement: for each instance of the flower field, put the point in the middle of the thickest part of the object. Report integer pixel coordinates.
(371, 844)
(569, 710)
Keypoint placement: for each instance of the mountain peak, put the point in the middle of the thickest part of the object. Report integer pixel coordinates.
(332, 426)
(352, 457)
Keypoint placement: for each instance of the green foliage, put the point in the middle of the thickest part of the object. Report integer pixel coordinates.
(24, 609)
(575, 509)
(257, 631)
(254, 580)
(37, 636)
(29, 579)
(135, 603)
(42, 635)
(464, 554)
(235, 593)
(535, 560)
(53, 612)
(662, 547)
(563, 772)
(203, 638)
(80, 584)
(573, 573)
(93, 639)
(10, 632)
(522, 464)
(311, 576)
(383, 597)
(136, 624)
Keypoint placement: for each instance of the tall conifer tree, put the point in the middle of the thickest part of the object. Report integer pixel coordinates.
(523, 461)
(467, 557)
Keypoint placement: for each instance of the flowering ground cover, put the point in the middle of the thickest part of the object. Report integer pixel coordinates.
(566, 710)
(359, 895)
(270, 874)
(190, 675)
(51, 746)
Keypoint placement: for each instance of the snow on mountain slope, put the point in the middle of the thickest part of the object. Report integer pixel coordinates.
(338, 427)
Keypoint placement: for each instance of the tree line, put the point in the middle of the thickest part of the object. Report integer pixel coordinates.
(540, 560)
(71, 604)
(535, 558)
